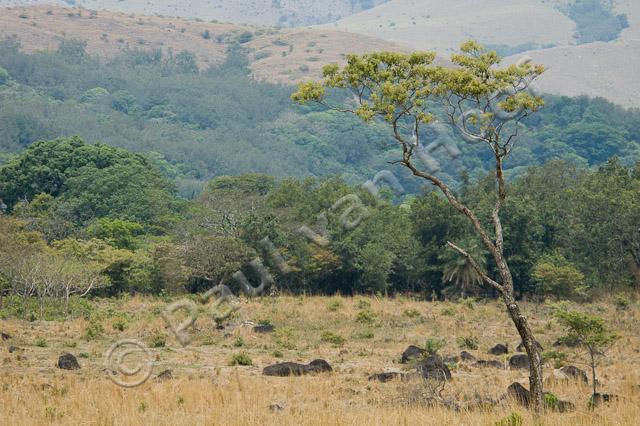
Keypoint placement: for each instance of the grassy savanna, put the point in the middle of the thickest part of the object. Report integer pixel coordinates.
(206, 389)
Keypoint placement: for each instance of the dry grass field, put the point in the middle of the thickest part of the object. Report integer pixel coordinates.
(206, 389)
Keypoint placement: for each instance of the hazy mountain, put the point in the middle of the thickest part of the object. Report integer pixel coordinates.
(257, 12)
(284, 55)
(590, 47)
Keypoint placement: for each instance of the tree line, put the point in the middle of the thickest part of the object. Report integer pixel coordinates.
(90, 218)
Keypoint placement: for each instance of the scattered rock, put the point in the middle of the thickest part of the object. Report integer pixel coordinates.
(12, 349)
(519, 393)
(412, 352)
(165, 375)
(492, 363)
(520, 347)
(277, 406)
(386, 377)
(522, 396)
(432, 367)
(466, 356)
(519, 361)
(499, 349)
(602, 398)
(5, 336)
(565, 406)
(575, 373)
(68, 362)
(294, 369)
(264, 328)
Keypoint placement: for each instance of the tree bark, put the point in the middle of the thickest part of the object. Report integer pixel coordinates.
(533, 353)
(593, 371)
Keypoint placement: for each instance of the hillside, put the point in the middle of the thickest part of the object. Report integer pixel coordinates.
(596, 69)
(544, 30)
(277, 55)
(540, 29)
(442, 26)
(286, 13)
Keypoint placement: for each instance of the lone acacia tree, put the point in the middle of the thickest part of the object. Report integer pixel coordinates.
(483, 101)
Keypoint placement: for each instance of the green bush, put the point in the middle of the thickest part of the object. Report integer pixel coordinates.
(333, 338)
(121, 323)
(622, 302)
(513, 419)
(550, 400)
(240, 359)
(449, 311)
(52, 310)
(366, 317)
(468, 342)
(94, 95)
(94, 329)
(335, 305)
(433, 345)
(412, 313)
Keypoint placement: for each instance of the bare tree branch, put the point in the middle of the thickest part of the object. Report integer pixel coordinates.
(477, 267)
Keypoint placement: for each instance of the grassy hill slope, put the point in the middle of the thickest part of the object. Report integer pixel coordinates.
(601, 69)
(540, 29)
(442, 26)
(257, 12)
(277, 55)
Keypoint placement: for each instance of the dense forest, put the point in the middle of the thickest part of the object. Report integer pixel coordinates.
(179, 178)
(81, 216)
(199, 124)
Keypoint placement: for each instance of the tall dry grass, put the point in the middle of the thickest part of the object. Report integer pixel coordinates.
(207, 390)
